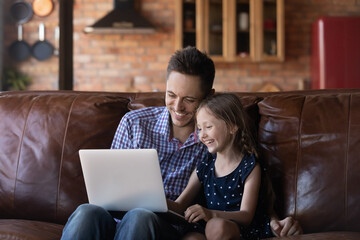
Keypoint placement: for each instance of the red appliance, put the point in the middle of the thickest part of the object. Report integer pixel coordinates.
(336, 53)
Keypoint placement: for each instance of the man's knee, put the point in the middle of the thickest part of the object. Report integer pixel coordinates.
(89, 215)
(90, 211)
(89, 222)
(139, 223)
(141, 215)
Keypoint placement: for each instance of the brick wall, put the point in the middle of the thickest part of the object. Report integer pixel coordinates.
(122, 62)
(138, 62)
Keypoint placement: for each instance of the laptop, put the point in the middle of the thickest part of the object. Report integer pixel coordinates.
(123, 179)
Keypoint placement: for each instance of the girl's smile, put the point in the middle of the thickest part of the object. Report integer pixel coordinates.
(213, 132)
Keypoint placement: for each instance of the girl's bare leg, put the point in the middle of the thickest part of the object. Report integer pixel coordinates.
(194, 236)
(219, 228)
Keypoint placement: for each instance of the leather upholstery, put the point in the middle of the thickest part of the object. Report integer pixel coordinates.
(28, 229)
(309, 139)
(40, 176)
(311, 143)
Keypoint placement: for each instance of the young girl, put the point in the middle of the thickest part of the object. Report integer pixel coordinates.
(230, 177)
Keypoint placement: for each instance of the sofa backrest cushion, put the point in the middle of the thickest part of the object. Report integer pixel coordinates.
(142, 100)
(248, 100)
(41, 133)
(312, 146)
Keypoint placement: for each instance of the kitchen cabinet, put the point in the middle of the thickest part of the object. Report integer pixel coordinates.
(232, 30)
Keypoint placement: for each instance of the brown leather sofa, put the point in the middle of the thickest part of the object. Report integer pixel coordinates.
(310, 140)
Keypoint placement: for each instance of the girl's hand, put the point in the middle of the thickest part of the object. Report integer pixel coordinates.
(285, 227)
(196, 213)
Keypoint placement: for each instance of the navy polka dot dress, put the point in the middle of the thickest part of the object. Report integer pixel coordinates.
(225, 194)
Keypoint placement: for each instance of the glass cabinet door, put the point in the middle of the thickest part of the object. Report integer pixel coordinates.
(186, 24)
(272, 16)
(242, 23)
(270, 39)
(214, 31)
(189, 23)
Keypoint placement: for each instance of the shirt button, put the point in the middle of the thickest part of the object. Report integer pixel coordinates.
(173, 169)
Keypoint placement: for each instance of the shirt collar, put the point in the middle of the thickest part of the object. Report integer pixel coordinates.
(162, 126)
(192, 139)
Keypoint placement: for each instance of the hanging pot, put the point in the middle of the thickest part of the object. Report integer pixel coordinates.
(42, 8)
(21, 11)
(42, 49)
(20, 50)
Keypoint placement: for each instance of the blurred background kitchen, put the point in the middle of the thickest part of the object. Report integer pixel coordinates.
(247, 55)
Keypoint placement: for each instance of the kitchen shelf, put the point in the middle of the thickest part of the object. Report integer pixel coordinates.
(232, 30)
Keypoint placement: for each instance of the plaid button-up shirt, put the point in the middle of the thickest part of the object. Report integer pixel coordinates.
(150, 128)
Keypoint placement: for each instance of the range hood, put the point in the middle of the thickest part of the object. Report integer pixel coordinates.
(123, 19)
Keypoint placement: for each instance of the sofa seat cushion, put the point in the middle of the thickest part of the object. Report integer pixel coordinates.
(323, 236)
(29, 230)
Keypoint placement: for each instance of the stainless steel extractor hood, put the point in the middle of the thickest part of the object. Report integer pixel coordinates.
(123, 19)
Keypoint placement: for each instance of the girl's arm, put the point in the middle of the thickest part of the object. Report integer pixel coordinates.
(187, 196)
(248, 205)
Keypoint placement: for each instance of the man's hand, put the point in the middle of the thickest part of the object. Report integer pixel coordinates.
(285, 227)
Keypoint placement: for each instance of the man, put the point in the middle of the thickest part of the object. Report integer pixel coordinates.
(170, 130)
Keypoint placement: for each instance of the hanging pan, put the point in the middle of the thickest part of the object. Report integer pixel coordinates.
(42, 8)
(42, 49)
(21, 11)
(20, 50)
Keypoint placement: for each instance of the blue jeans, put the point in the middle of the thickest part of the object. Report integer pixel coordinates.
(93, 222)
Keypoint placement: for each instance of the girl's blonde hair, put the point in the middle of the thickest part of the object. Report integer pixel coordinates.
(227, 107)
